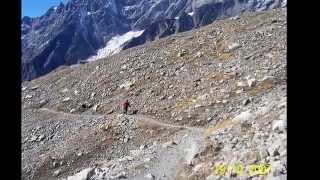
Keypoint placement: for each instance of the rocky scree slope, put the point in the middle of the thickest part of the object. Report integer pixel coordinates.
(73, 32)
(203, 97)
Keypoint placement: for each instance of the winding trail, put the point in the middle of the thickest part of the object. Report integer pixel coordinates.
(145, 118)
(168, 161)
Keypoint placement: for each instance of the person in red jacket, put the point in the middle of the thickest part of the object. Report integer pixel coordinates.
(125, 106)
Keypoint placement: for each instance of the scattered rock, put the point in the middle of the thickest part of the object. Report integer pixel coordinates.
(86, 105)
(55, 164)
(95, 107)
(121, 175)
(57, 172)
(269, 55)
(110, 111)
(267, 78)
(126, 139)
(33, 138)
(126, 85)
(162, 97)
(251, 82)
(246, 102)
(283, 117)
(43, 102)
(170, 97)
(198, 106)
(211, 177)
(34, 88)
(169, 144)
(180, 118)
(65, 90)
(278, 169)
(182, 53)
(199, 54)
(197, 80)
(41, 137)
(150, 176)
(279, 126)
(129, 158)
(274, 150)
(264, 153)
(244, 117)
(275, 153)
(239, 91)
(106, 127)
(73, 110)
(124, 67)
(66, 99)
(198, 167)
(241, 84)
(252, 157)
(234, 46)
(28, 96)
(282, 104)
(209, 119)
(235, 18)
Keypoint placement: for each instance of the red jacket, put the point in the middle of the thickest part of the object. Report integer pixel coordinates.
(126, 105)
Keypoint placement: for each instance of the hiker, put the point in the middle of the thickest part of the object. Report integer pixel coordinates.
(125, 106)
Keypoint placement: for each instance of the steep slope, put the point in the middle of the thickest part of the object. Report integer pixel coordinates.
(71, 33)
(212, 95)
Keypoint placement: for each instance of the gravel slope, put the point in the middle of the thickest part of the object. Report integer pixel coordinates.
(203, 97)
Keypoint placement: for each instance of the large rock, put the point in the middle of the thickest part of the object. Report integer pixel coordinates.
(244, 117)
(150, 176)
(126, 85)
(279, 126)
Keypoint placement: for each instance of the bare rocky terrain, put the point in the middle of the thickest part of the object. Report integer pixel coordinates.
(199, 98)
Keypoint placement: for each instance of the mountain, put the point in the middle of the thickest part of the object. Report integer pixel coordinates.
(199, 99)
(71, 33)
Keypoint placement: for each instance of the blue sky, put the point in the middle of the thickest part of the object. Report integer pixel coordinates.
(34, 8)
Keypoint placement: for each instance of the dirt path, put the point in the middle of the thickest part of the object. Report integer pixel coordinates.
(142, 118)
(168, 160)
(69, 114)
(150, 119)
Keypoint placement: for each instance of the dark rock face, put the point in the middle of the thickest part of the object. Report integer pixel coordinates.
(70, 33)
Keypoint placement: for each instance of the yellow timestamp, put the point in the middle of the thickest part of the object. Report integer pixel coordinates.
(239, 169)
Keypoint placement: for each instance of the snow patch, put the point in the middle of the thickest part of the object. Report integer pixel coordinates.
(191, 13)
(55, 8)
(115, 45)
(90, 13)
(127, 8)
(284, 3)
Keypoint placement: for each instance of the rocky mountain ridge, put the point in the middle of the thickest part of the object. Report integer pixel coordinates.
(71, 33)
